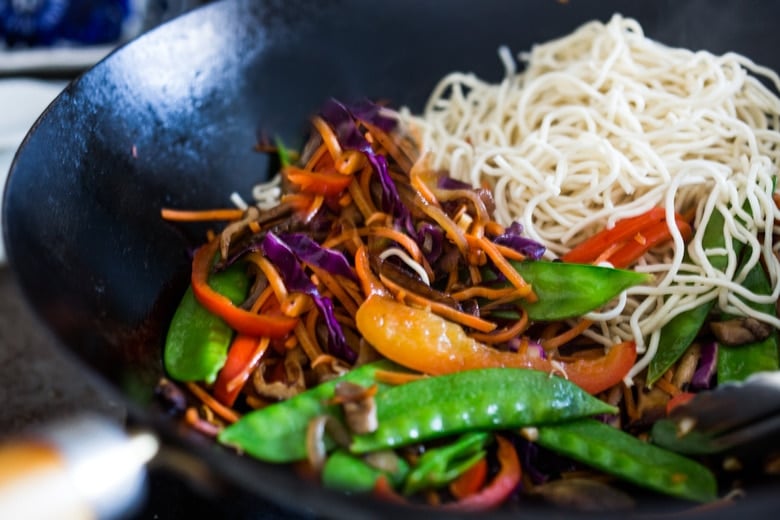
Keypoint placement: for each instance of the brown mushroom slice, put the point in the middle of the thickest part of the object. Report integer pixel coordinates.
(740, 331)
(584, 495)
(294, 373)
(358, 405)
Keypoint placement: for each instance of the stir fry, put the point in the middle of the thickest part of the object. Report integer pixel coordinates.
(377, 328)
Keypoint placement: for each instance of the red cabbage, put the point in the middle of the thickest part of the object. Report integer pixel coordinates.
(312, 253)
(431, 240)
(448, 183)
(368, 111)
(342, 121)
(512, 237)
(289, 266)
(708, 363)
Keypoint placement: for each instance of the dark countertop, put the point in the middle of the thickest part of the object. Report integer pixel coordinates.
(40, 383)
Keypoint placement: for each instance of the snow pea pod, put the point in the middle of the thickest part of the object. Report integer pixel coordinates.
(197, 341)
(474, 400)
(736, 363)
(568, 290)
(439, 466)
(678, 334)
(346, 472)
(623, 455)
(277, 433)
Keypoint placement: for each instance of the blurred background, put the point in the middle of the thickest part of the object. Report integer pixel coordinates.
(44, 44)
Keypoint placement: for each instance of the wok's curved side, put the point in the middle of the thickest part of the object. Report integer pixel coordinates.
(81, 207)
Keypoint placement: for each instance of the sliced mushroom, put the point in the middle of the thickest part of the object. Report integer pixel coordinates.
(584, 495)
(294, 374)
(686, 367)
(740, 331)
(359, 406)
(235, 228)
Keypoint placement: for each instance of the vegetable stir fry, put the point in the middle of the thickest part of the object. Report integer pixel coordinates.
(380, 329)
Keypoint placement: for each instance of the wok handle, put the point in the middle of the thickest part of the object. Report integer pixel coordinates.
(87, 468)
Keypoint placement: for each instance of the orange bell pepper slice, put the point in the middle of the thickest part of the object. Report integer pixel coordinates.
(420, 340)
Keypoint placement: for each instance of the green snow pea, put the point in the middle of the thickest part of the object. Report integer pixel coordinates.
(736, 363)
(197, 342)
(346, 472)
(439, 466)
(623, 455)
(569, 290)
(277, 433)
(474, 400)
(678, 334)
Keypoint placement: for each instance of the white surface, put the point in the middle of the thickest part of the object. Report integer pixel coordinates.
(21, 102)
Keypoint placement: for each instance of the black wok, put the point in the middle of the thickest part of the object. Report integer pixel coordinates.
(171, 120)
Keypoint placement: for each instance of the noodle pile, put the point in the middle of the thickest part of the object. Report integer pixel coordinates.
(604, 124)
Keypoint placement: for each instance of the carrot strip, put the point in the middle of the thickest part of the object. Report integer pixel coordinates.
(561, 339)
(328, 137)
(417, 182)
(307, 342)
(272, 275)
(479, 291)
(183, 215)
(500, 336)
(667, 386)
(391, 377)
(502, 264)
(193, 420)
(441, 309)
(370, 283)
(509, 253)
(218, 408)
(365, 206)
(401, 239)
(333, 285)
(389, 144)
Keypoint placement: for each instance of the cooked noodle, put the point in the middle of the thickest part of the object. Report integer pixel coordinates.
(604, 124)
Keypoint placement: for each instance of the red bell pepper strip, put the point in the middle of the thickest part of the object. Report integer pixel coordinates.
(240, 320)
(471, 481)
(420, 340)
(245, 352)
(677, 400)
(652, 236)
(499, 489)
(320, 183)
(625, 229)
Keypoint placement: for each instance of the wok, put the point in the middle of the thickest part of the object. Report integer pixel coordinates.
(170, 120)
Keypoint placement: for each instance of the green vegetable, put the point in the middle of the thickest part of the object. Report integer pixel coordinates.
(666, 435)
(472, 400)
(568, 290)
(197, 342)
(736, 363)
(623, 455)
(439, 466)
(277, 433)
(678, 334)
(346, 472)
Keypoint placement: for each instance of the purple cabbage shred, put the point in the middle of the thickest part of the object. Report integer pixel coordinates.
(512, 237)
(289, 265)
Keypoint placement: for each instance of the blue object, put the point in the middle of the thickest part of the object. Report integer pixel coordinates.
(53, 22)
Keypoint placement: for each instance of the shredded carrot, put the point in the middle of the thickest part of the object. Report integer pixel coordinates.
(441, 309)
(370, 283)
(272, 275)
(391, 377)
(628, 398)
(415, 178)
(365, 206)
(218, 408)
(389, 144)
(336, 288)
(183, 215)
(328, 137)
(480, 291)
(502, 265)
(267, 293)
(562, 339)
(500, 336)
(494, 228)
(307, 342)
(509, 253)
(666, 386)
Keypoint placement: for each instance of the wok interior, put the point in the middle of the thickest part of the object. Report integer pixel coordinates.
(171, 120)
